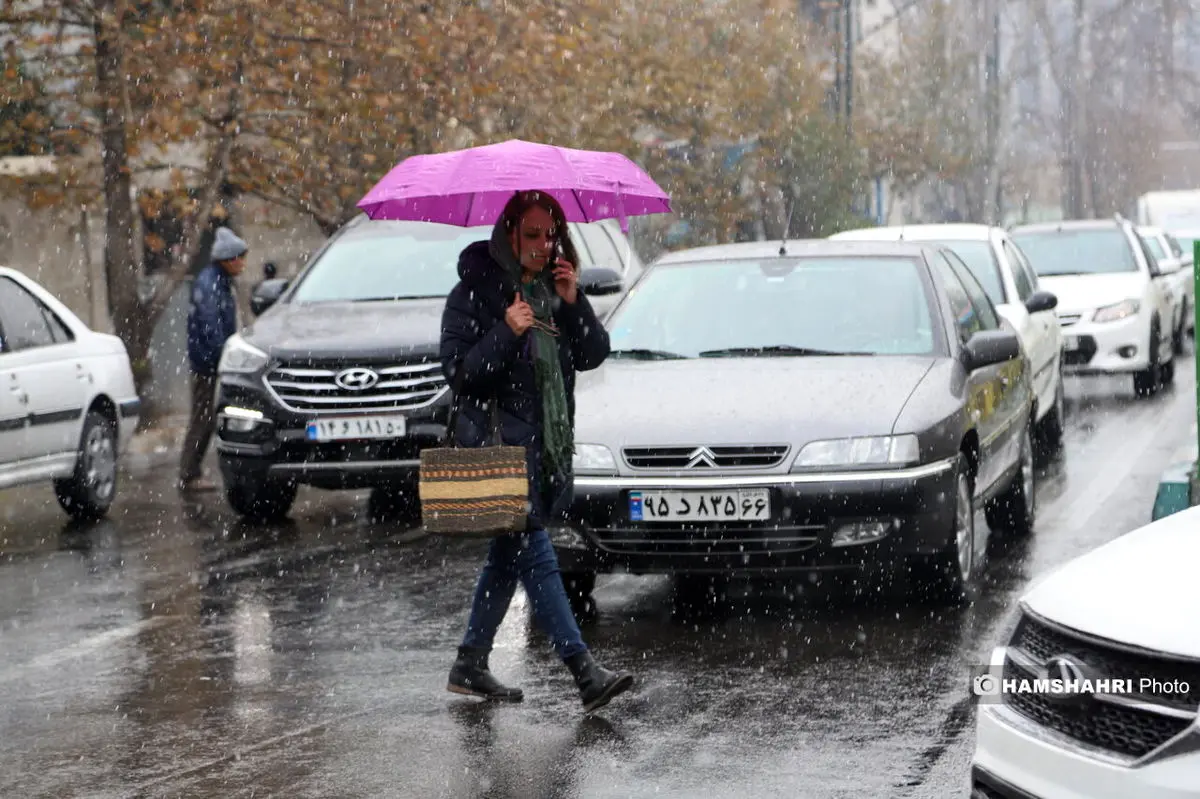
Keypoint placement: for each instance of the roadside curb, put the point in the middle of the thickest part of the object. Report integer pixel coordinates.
(1179, 486)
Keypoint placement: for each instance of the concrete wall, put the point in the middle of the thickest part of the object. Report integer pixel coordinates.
(63, 249)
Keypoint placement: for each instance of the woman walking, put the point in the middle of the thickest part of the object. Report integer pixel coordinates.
(515, 330)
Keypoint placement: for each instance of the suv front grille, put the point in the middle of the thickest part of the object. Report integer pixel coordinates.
(1129, 730)
(699, 457)
(316, 390)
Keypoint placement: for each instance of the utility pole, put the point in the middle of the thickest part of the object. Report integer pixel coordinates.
(995, 201)
(848, 49)
(1074, 130)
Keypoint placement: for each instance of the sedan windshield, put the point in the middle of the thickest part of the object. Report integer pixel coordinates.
(778, 307)
(1077, 252)
(981, 260)
(387, 261)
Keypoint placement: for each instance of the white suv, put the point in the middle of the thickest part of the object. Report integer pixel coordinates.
(1117, 628)
(1113, 303)
(68, 405)
(1173, 261)
(1012, 286)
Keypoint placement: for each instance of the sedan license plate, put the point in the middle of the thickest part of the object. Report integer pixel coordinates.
(741, 505)
(356, 427)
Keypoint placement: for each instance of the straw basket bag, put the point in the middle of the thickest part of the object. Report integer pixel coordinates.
(473, 492)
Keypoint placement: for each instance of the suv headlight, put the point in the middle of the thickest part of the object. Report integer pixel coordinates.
(593, 459)
(1114, 313)
(239, 356)
(867, 451)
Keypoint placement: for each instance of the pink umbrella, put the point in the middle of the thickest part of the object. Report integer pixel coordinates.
(470, 187)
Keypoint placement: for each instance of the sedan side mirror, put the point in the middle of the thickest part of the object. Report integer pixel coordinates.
(1041, 301)
(599, 281)
(991, 347)
(266, 294)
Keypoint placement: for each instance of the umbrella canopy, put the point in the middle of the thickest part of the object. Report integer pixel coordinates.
(471, 187)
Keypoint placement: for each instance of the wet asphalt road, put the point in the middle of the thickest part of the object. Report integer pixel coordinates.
(173, 651)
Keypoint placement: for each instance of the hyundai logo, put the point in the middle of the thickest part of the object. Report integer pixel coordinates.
(356, 379)
(1070, 672)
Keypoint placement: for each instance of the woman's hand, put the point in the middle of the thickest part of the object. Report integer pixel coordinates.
(519, 315)
(566, 281)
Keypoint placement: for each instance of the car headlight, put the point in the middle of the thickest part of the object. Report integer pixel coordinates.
(1114, 313)
(239, 356)
(867, 451)
(594, 458)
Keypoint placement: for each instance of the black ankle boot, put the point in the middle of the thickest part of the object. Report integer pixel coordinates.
(597, 685)
(469, 675)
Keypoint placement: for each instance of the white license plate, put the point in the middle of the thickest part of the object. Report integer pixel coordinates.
(348, 428)
(745, 504)
(1072, 344)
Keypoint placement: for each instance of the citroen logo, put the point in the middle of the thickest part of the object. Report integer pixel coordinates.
(356, 379)
(702, 458)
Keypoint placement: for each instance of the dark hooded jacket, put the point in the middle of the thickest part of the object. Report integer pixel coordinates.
(495, 362)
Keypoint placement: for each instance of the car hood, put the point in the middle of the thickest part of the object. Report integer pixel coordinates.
(758, 400)
(1078, 293)
(403, 328)
(1138, 589)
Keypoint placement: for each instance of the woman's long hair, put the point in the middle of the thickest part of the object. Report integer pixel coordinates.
(521, 202)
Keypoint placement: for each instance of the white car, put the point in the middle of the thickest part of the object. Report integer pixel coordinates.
(1013, 288)
(1123, 612)
(68, 406)
(1173, 261)
(1113, 303)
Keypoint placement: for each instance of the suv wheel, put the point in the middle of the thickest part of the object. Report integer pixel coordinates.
(261, 500)
(1178, 336)
(88, 493)
(1148, 381)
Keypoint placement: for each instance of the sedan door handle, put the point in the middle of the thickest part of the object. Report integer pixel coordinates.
(22, 397)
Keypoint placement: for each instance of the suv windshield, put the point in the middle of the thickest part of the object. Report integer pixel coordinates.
(1077, 252)
(777, 307)
(389, 260)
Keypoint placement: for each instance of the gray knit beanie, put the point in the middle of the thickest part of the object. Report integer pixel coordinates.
(227, 245)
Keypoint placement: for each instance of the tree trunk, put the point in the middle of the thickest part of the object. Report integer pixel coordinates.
(120, 251)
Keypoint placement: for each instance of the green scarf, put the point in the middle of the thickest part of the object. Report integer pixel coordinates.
(558, 445)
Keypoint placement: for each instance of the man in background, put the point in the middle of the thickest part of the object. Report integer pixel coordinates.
(212, 319)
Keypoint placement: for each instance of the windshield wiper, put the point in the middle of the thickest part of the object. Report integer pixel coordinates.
(777, 349)
(397, 298)
(646, 355)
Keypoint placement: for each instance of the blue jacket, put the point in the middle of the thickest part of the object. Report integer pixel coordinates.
(212, 318)
(495, 362)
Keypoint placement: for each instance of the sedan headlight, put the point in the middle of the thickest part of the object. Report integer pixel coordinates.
(1115, 313)
(239, 356)
(868, 451)
(594, 459)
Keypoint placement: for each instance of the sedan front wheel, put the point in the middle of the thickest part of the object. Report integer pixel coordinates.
(952, 576)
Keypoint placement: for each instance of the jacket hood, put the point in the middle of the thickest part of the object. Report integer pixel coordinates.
(475, 263)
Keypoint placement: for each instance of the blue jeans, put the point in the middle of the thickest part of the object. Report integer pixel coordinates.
(530, 558)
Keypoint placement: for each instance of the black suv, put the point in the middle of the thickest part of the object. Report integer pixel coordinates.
(337, 384)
